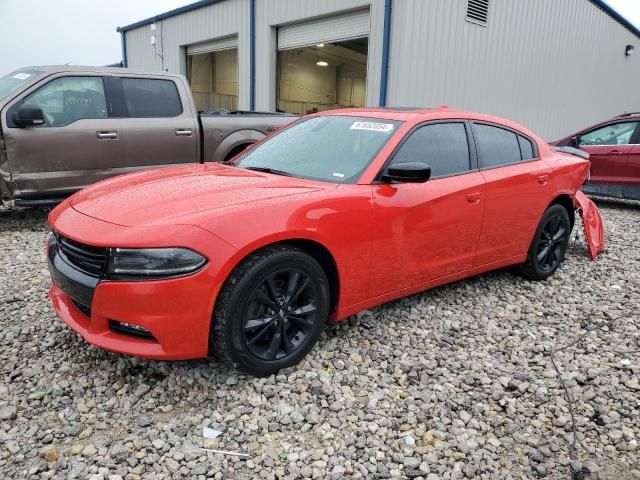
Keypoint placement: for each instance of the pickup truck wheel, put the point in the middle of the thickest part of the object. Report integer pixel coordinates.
(549, 245)
(271, 310)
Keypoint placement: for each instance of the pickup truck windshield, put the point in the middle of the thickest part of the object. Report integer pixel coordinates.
(15, 80)
(331, 148)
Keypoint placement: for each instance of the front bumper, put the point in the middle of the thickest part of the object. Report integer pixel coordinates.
(175, 312)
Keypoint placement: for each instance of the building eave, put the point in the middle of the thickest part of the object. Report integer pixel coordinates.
(616, 16)
(169, 14)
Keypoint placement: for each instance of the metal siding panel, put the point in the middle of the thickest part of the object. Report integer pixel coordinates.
(330, 29)
(224, 19)
(552, 66)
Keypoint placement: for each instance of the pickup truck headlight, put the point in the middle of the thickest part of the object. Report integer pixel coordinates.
(154, 262)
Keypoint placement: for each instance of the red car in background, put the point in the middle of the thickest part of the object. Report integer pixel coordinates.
(334, 214)
(614, 149)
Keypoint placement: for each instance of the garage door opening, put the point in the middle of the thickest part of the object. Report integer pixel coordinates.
(322, 63)
(323, 77)
(212, 70)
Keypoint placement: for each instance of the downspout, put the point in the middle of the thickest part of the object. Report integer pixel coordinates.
(384, 75)
(252, 55)
(123, 38)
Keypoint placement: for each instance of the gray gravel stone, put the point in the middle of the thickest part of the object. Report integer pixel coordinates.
(452, 383)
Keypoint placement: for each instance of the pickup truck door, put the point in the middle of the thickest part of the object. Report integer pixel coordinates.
(78, 144)
(160, 127)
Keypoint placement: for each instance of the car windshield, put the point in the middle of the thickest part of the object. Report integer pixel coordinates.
(328, 148)
(15, 80)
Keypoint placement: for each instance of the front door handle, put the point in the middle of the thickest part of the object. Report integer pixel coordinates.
(184, 132)
(474, 198)
(543, 179)
(617, 152)
(107, 135)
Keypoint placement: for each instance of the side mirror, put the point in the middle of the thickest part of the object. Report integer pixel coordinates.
(574, 141)
(409, 172)
(28, 116)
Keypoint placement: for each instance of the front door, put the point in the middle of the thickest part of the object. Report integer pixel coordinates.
(609, 147)
(78, 144)
(429, 230)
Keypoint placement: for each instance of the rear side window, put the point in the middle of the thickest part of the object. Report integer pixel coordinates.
(147, 97)
(442, 146)
(526, 148)
(496, 146)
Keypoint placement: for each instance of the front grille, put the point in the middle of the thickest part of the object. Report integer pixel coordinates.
(91, 260)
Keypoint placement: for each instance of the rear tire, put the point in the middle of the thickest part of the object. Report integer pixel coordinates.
(271, 310)
(549, 245)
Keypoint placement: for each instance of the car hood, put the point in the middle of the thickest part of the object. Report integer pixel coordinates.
(165, 196)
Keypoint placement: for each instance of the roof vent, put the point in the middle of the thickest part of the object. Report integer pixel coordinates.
(478, 11)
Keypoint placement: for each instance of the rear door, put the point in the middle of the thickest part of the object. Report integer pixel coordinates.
(425, 231)
(609, 147)
(70, 150)
(160, 128)
(517, 192)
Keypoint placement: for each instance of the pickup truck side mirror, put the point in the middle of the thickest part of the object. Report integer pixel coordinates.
(574, 141)
(28, 116)
(408, 172)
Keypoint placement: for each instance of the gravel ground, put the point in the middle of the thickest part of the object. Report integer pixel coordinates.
(453, 383)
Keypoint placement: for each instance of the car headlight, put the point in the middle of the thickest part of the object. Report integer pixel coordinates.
(154, 262)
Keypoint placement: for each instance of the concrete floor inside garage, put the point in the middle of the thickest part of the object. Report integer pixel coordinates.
(452, 383)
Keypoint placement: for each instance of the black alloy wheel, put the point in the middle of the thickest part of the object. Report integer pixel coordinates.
(551, 242)
(280, 314)
(271, 310)
(549, 245)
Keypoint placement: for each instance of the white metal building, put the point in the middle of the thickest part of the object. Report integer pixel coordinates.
(553, 65)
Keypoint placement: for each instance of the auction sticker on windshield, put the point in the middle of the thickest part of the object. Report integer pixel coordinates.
(373, 126)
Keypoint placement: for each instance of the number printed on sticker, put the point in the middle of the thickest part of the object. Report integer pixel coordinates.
(373, 126)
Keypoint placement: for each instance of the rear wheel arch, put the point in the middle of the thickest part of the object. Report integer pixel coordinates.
(565, 201)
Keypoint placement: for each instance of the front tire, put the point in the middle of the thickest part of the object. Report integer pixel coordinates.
(549, 245)
(271, 310)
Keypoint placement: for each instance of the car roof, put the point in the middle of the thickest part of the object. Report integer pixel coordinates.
(49, 69)
(418, 115)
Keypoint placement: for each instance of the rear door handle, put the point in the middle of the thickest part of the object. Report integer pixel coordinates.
(184, 132)
(543, 179)
(474, 198)
(107, 135)
(617, 152)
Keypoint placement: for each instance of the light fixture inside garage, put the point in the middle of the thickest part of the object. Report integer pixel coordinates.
(629, 50)
(320, 45)
(322, 63)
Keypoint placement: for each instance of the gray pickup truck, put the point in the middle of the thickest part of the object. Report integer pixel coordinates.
(63, 128)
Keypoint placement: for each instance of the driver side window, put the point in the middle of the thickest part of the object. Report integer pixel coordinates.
(443, 146)
(68, 99)
(616, 134)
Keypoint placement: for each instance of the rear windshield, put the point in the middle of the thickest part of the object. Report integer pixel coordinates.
(329, 148)
(15, 80)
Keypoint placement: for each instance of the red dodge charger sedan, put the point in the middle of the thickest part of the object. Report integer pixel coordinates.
(336, 213)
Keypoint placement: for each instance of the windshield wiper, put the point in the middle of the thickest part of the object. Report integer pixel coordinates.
(270, 170)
